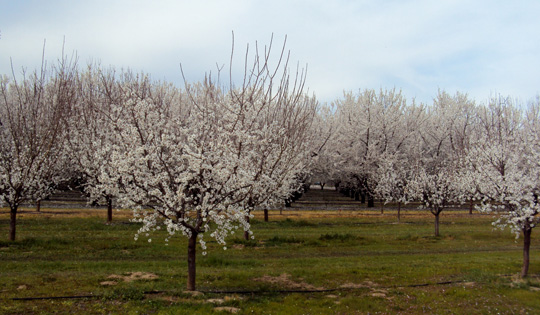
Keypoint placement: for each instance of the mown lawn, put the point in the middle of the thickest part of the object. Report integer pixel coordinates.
(301, 262)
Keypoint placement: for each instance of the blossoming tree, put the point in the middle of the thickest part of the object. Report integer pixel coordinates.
(505, 168)
(367, 126)
(31, 134)
(437, 179)
(197, 165)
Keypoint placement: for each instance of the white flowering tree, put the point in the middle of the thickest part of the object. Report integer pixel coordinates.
(323, 165)
(370, 127)
(437, 179)
(31, 134)
(396, 163)
(393, 179)
(198, 165)
(91, 126)
(505, 168)
(437, 187)
(89, 134)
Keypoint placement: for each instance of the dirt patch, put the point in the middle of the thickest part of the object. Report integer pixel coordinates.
(517, 281)
(285, 281)
(194, 293)
(532, 282)
(380, 293)
(366, 284)
(129, 277)
(107, 283)
(229, 309)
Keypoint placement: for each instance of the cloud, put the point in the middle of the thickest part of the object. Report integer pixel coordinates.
(419, 46)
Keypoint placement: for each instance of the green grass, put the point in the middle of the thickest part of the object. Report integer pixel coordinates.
(361, 264)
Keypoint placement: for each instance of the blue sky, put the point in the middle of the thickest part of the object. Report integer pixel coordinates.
(477, 47)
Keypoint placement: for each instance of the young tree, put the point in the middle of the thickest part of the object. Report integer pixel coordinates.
(31, 134)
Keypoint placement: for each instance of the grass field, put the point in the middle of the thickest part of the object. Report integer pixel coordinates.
(301, 262)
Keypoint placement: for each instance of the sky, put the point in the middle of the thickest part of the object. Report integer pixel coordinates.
(482, 47)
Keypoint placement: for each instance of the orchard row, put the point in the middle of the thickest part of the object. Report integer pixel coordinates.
(453, 151)
(197, 160)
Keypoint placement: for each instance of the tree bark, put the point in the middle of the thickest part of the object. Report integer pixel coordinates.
(399, 211)
(265, 215)
(12, 223)
(437, 224)
(192, 249)
(38, 205)
(471, 206)
(526, 247)
(109, 209)
(382, 207)
(246, 233)
(356, 196)
(370, 201)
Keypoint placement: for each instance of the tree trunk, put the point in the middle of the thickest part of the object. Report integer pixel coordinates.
(192, 248)
(382, 207)
(370, 201)
(13, 223)
(526, 246)
(437, 224)
(363, 197)
(471, 206)
(246, 233)
(265, 215)
(109, 209)
(399, 211)
(38, 205)
(322, 186)
(356, 196)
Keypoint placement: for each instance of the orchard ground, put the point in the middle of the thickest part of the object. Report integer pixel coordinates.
(330, 256)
